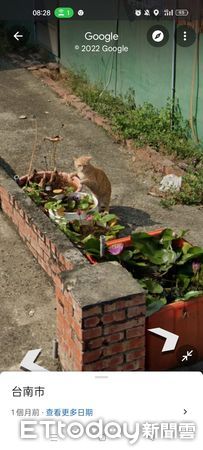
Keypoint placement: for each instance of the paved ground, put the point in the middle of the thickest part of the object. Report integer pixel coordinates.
(25, 286)
(27, 303)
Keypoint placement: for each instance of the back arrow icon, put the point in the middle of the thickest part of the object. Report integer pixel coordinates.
(17, 36)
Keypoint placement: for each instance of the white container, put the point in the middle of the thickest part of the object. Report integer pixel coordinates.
(70, 216)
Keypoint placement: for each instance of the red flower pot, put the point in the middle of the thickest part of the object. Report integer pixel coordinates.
(127, 241)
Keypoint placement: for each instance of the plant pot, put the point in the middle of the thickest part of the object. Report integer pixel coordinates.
(127, 241)
(71, 216)
(64, 177)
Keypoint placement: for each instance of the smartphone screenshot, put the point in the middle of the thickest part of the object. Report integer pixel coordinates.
(101, 241)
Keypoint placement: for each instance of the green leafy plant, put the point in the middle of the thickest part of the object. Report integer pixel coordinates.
(167, 267)
(71, 203)
(69, 190)
(34, 191)
(87, 232)
(53, 205)
(192, 188)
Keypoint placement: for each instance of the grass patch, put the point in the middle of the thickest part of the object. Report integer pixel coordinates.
(146, 124)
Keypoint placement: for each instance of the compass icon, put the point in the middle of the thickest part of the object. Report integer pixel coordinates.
(158, 36)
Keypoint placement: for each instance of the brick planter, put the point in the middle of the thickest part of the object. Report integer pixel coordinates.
(100, 318)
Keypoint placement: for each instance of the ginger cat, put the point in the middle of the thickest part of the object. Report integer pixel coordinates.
(95, 179)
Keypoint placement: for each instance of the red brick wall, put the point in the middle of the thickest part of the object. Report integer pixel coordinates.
(94, 339)
(109, 335)
(108, 344)
(42, 248)
(69, 330)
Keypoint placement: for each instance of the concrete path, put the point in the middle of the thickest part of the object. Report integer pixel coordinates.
(27, 303)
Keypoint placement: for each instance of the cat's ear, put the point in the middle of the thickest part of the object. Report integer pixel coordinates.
(88, 158)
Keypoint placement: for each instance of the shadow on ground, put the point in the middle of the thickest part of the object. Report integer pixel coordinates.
(132, 218)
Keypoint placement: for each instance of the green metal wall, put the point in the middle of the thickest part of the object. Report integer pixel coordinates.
(145, 69)
(189, 83)
(99, 67)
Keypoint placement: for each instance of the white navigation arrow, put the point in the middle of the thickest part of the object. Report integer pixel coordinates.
(28, 362)
(17, 36)
(171, 338)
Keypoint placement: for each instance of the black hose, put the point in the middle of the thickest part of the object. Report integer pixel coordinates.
(9, 170)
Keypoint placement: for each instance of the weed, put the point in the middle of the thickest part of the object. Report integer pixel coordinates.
(167, 202)
(192, 188)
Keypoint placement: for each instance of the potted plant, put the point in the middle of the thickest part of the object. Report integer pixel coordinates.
(61, 199)
(42, 186)
(71, 206)
(48, 180)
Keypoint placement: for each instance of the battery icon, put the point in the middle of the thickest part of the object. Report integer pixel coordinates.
(64, 13)
(182, 12)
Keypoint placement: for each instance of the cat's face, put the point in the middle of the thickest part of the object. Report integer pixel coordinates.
(82, 163)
